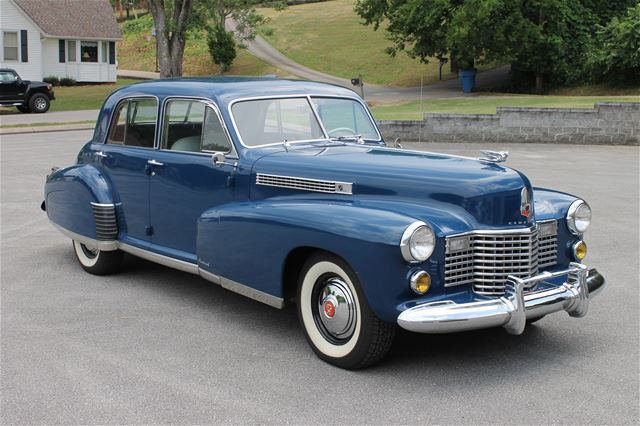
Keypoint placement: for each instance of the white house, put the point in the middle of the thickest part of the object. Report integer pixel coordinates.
(63, 38)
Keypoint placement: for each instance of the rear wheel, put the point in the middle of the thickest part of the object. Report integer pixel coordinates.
(23, 108)
(39, 103)
(337, 320)
(97, 262)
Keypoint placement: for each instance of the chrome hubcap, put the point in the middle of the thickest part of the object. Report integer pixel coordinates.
(40, 103)
(336, 309)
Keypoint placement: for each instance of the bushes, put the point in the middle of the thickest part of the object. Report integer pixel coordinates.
(222, 47)
(67, 81)
(55, 81)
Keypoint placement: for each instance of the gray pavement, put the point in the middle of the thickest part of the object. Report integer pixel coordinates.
(8, 119)
(153, 345)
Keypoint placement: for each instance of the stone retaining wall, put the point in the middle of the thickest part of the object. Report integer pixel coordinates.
(607, 123)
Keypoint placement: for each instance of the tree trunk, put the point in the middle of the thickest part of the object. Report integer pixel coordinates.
(120, 11)
(171, 43)
(539, 83)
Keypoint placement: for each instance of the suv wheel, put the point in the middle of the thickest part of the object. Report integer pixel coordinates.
(39, 103)
(23, 108)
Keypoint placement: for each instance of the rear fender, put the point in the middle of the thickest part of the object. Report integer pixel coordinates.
(73, 194)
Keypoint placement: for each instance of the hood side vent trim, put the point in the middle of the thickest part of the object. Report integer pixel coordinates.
(304, 184)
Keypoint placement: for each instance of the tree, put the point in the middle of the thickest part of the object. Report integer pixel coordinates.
(544, 39)
(616, 54)
(171, 18)
(222, 47)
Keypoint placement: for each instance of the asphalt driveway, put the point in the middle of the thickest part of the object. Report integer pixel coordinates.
(153, 345)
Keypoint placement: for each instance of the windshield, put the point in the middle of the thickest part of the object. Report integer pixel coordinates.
(268, 121)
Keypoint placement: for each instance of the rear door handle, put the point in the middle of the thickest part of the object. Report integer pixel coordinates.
(101, 154)
(155, 163)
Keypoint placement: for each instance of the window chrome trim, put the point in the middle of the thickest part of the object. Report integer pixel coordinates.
(231, 154)
(300, 96)
(116, 109)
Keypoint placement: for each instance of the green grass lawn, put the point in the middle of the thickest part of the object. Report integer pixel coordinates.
(137, 51)
(488, 104)
(85, 97)
(329, 37)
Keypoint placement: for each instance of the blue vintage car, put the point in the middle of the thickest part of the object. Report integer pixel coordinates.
(286, 191)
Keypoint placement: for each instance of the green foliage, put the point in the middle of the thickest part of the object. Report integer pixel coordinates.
(52, 79)
(222, 47)
(67, 81)
(547, 39)
(142, 24)
(615, 55)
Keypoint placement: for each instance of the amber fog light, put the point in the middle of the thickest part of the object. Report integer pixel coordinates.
(420, 282)
(579, 250)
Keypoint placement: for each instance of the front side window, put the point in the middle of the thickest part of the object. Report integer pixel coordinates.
(267, 121)
(7, 77)
(89, 51)
(10, 45)
(344, 117)
(192, 126)
(71, 47)
(134, 123)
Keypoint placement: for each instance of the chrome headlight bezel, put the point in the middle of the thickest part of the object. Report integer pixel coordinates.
(577, 211)
(408, 240)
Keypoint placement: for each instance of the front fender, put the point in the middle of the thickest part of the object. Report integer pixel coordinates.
(69, 193)
(249, 242)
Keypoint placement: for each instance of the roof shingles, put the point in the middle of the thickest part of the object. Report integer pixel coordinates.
(92, 19)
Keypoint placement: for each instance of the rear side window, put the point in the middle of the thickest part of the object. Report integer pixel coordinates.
(134, 123)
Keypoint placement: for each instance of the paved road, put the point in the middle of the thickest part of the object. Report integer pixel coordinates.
(153, 345)
(7, 119)
(262, 49)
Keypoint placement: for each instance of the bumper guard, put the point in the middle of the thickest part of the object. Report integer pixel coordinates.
(511, 310)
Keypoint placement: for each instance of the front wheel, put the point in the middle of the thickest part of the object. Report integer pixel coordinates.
(97, 262)
(39, 103)
(337, 320)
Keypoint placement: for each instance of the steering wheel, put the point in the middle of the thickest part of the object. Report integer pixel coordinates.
(333, 132)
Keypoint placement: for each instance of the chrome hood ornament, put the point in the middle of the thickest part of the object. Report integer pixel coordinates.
(494, 156)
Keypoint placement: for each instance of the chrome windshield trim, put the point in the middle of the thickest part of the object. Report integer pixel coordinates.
(308, 97)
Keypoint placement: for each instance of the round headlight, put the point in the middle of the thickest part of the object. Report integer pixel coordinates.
(418, 242)
(578, 217)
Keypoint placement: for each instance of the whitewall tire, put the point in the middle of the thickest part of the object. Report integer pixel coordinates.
(337, 320)
(97, 262)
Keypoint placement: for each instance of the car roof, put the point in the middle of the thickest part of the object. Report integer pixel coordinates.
(227, 89)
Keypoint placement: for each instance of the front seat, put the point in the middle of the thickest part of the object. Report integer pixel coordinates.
(190, 143)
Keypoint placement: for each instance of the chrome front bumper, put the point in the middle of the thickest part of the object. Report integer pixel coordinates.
(511, 310)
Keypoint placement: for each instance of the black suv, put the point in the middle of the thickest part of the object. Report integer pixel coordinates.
(27, 96)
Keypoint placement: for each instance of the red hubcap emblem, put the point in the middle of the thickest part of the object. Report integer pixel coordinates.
(329, 309)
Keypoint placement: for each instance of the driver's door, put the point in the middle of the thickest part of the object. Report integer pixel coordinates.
(10, 87)
(184, 181)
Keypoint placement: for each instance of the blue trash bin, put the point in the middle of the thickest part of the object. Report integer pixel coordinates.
(468, 80)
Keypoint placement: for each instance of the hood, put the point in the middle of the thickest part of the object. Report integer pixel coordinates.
(491, 194)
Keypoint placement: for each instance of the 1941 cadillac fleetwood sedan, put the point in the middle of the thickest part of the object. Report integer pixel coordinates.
(286, 191)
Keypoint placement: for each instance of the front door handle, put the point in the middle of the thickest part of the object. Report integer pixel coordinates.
(101, 154)
(155, 163)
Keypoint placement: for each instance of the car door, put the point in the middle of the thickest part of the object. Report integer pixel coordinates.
(10, 87)
(124, 158)
(185, 182)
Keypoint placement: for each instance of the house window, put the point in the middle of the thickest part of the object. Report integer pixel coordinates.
(89, 51)
(105, 52)
(71, 47)
(10, 45)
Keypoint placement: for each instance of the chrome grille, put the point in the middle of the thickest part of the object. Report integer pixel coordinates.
(106, 223)
(487, 259)
(304, 184)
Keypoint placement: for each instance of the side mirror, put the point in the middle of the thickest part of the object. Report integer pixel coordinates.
(218, 159)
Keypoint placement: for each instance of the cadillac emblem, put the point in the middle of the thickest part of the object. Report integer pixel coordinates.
(525, 203)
